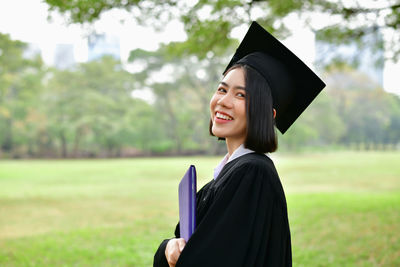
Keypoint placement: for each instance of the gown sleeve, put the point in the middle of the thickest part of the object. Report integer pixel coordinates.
(159, 259)
(246, 225)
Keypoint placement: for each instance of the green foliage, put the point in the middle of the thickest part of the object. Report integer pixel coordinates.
(20, 85)
(199, 42)
(319, 125)
(343, 208)
(208, 23)
(181, 102)
(352, 110)
(89, 110)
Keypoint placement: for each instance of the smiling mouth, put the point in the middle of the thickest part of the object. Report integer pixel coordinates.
(223, 116)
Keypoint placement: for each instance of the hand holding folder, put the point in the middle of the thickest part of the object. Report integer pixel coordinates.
(187, 203)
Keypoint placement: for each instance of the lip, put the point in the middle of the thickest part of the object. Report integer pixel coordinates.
(223, 113)
(222, 121)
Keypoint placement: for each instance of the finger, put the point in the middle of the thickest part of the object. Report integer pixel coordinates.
(174, 258)
(171, 249)
(181, 244)
(174, 251)
(171, 264)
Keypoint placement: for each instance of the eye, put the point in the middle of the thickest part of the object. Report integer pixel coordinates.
(241, 95)
(221, 90)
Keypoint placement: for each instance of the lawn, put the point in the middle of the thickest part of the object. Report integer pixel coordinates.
(344, 208)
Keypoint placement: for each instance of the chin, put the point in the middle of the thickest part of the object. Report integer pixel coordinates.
(218, 134)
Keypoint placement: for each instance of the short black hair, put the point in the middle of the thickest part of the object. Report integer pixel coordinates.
(260, 126)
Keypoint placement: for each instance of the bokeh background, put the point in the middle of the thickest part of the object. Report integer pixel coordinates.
(104, 104)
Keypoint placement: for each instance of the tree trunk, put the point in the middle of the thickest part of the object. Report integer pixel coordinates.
(77, 141)
(173, 126)
(7, 145)
(63, 145)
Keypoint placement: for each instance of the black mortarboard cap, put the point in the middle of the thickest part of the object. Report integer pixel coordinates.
(293, 85)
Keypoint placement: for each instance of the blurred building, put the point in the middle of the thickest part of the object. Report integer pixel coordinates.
(64, 56)
(103, 44)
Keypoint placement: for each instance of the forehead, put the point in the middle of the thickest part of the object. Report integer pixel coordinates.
(234, 77)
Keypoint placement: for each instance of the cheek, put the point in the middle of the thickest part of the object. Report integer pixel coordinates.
(242, 109)
(213, 103)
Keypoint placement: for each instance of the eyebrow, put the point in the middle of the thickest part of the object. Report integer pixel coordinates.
(236, 87)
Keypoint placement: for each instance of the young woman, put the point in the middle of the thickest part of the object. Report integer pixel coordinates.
(241, 214)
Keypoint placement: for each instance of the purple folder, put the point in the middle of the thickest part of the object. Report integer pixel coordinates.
(187, 203)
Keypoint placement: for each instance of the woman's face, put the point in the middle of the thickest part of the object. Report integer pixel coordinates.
(228, 107)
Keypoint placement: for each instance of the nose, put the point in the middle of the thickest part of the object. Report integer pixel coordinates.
(225, 101)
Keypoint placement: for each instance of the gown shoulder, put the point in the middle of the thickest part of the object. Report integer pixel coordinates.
(242, 218)
(245, 223)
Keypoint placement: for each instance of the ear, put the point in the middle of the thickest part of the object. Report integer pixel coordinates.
(274, 110)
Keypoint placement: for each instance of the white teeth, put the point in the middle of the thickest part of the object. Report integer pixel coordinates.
(222, 116)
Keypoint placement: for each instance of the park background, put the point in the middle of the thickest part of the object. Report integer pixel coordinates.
(93, 150)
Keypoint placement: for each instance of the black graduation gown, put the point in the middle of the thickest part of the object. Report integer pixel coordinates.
(241, 219)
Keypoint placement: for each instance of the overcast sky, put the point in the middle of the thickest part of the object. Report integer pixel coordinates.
(26, 20)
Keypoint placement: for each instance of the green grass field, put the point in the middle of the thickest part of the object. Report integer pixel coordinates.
(344, 208)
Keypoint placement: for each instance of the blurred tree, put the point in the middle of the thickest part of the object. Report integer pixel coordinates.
(182, 88)
(209, 24)
(298, 136)
(353, 110)
(20, 86)
(89, 108)
(319, 125)
(370, 114)
(368, 117)
(393, 129)
(350, 20)
(63, 104)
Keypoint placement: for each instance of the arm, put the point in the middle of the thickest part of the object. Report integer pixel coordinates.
(169, 250)
(159, 258)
